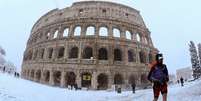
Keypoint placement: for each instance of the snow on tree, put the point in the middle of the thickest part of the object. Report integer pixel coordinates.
(199, 52)
(194, 60)
(2, 51)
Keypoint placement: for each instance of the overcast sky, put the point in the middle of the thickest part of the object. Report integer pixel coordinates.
(173, 23)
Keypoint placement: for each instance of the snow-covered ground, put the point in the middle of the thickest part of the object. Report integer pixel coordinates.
(16, 89)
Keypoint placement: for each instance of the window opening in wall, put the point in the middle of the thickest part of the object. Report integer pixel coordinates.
(104, 10)
(138, 37)
(61, 52)
(50, 51)
(81, 11)
(117, 55)
(103, 31)
(73, 52)
(130, 56)
(88, 53)
(42, 53)
(90, 30)
(116, 32)
(126, 14)
(56, 34)
(65, 33)
(128, 35)
(48, 36)
(102, 54)
(77, 31)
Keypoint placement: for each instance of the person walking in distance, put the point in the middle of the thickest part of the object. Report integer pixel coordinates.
(158, 75)
(182, 81)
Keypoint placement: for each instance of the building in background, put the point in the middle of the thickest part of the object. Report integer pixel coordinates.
(186, 73)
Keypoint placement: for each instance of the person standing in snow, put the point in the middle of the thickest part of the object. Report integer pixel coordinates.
(133, 87)
(158, 75)
(182, 81)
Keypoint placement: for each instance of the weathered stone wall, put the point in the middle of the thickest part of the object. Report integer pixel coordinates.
(48, 60)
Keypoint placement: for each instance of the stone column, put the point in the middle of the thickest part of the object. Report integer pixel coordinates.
(78, 79)
(125, 55)
(66, 52)
(110, 81)
(94, 80)
(63, 79)
(71, 31)
(83, 31)
(110, 31)
(51, 80)
(42, 77)
(123, 34)
(96, 31)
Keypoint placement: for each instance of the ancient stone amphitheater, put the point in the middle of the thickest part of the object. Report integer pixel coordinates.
(93, 44)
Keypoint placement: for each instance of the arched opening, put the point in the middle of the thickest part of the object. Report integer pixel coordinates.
(102, 82)
(42, 53)
(117, 55)
(145, 40)
(118, 79)
(48, 36)
(132, 79)
(73, 52)
(50, 52)
(128, 35)
(65, 33)
(61, 52)
(142, 57)
(38, 75)
(57, 78)
(32, 74)
(130, 56)
(88, 53)
(90, 30)
(56, 34)
(86, 80)
(77, 31)
(103, 31)
(47, 76)
(116, 32)
(138, 37)
(35, 54)
(70, 78)
(102, 54)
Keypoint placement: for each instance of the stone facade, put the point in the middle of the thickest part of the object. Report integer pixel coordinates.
(93, 44)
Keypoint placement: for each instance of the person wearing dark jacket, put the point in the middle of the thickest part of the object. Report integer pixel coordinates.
(158, 75)
(182, 81)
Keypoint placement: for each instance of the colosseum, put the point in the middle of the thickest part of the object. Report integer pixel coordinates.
(94, 44)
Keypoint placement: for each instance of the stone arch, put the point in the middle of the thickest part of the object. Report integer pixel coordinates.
(116, 32)
(77, 31)
(86, 79)
(138, 37)
(55, 34)
(128, 35)
(132, 79)
(38, 75)
(46, 76)
(66, 32)
(61, 52)
(102, 80)
(117, 55)
(142, 56)
(87, 53)
(118, 79)
(74, 52)
(90, 30)
(130, 56)
(70, 78)
(32, 74)
(103, 31)
(42, 53)
(35, 54)
(48, 35)
(57, 78)
(102, 54)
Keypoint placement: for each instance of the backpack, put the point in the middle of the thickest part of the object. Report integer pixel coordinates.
(158, 74)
